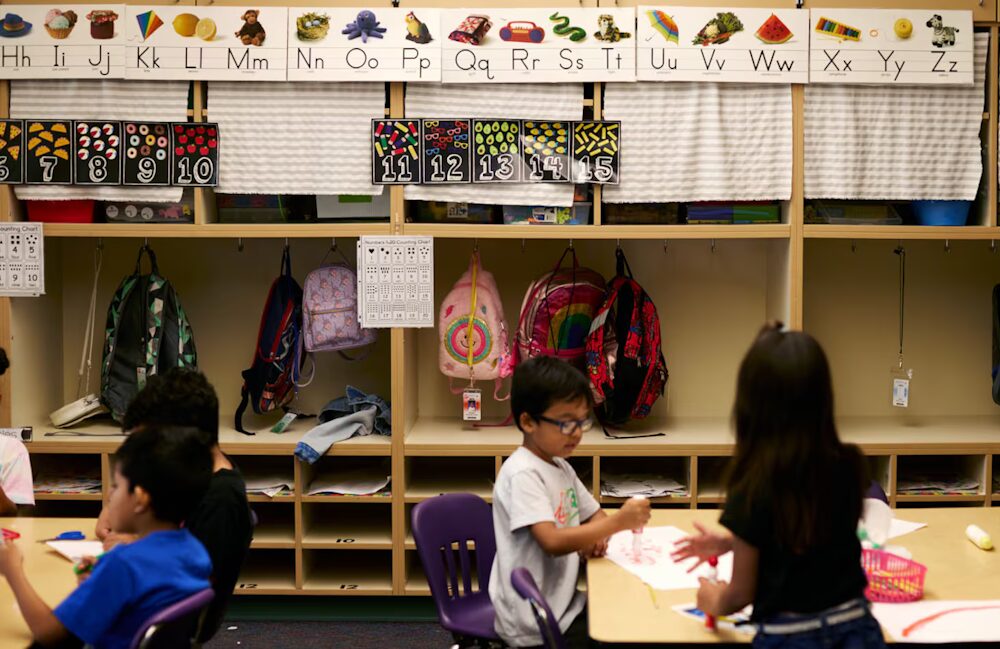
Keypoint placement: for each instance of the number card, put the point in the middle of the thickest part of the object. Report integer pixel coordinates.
(395, 155)
(47, 161)
(196, 154)
(98, 153)
(496, 153)
(545, 150)
(595, 152)
(11, 151)
(446, 151)
(147, 153)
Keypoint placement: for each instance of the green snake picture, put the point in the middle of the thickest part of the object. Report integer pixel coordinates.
(562, 28)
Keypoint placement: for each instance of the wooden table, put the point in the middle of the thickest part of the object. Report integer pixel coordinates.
(49, 572)
(623, 610)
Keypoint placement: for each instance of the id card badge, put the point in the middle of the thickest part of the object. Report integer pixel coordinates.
(472, 404)
(901, 386)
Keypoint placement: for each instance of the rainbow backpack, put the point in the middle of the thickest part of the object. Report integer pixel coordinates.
(557, 311)
(475, 298)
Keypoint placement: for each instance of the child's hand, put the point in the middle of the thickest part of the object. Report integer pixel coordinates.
(10, 557)
(634, 514)
(709, 596)
(84, 568)
(595, 551)
(704, 545)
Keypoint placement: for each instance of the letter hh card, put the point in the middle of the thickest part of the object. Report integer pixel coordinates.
(147, 150)
(359, 44)
(538, 45)
(47, 161)
(11, 151)
(722, 44)
(69, 42)
(236, 43)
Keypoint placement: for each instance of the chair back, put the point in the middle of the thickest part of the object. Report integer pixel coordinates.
(175, 626)
(548, 625)
(876, 492)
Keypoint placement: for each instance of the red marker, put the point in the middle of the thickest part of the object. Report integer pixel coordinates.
(713, 574)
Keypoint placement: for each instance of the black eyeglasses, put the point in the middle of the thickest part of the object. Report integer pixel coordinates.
(569, 426)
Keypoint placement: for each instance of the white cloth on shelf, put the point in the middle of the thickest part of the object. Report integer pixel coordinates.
(295, 138)
(506, 100)
(147, 101)
(896, 142)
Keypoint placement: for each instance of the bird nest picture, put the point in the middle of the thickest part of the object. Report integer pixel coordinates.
(312, 26)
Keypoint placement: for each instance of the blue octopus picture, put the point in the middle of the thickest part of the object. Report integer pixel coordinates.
(365, 26)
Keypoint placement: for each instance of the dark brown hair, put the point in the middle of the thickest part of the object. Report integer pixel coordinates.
(788, 452)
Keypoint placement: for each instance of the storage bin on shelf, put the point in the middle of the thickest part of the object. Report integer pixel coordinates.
(74, 211)
(726, 212)
(579, 214)
(941, 212)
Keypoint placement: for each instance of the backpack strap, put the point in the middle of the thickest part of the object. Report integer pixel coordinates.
(470, 353)
(240, 409)
(154, 269)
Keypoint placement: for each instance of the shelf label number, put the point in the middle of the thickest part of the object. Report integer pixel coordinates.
(344, 541)
(247, 586)
(348, 587)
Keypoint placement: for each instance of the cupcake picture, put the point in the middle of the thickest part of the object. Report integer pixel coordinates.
(13, 25)
(102, 23)
(59, 24)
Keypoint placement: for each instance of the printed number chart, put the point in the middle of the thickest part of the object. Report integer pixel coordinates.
(396, 282)
(22, 260)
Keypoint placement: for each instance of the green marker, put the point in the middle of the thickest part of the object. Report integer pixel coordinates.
(79, 568)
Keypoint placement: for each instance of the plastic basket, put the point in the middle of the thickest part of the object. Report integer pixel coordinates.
(892, 578)
(941, 212)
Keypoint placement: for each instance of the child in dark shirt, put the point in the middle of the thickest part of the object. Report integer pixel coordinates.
(159, 472)
(793, 501)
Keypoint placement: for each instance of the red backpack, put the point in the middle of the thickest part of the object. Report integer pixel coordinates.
(624, 358)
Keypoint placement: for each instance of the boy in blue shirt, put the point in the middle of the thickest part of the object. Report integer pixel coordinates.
(160, 472)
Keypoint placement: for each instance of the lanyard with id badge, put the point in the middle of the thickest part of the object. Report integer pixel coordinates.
(472, 397)
(900, 375)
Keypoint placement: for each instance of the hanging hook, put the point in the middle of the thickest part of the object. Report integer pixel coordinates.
(239, 244)
(475, 245)
(799, 3)
(333, 244)
(100, 244)
(664, 246)
(145, 243)
(947, 245)
(570, 244)
(993, 246)
(713, 246)
(618, 245)
(854, 246)
(522, 246)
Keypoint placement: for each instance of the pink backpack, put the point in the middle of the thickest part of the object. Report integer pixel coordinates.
(330, 311)
(488, 357)
(557, 311)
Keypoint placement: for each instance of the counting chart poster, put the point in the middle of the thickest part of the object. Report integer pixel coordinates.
(396, 281)
(22, 260)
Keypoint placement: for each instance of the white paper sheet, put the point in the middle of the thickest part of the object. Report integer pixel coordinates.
(655, 567)
(349, 484)
(76, 550)
(270, 485)
(625, 485)
(738, 622)
(941, 621)
(899, 527)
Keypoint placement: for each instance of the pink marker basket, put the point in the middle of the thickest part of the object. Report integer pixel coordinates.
(892, 578)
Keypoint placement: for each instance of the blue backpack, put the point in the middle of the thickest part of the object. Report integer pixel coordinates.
(271, 381)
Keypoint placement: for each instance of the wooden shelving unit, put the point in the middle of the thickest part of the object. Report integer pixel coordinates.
(714, 285)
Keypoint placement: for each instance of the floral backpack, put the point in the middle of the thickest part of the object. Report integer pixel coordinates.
(330, 311)
(472, 311)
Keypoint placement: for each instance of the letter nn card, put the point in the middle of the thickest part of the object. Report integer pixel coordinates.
(47, 161)
(11, 151)
(147, 153)
(196, 154)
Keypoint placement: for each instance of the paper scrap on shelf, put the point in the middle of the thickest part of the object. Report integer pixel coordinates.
(738, 622)
(76, 550)
(899, 527)
(68, 485)
(941, 621)
(654, 565)
(353, 483)
(625, 485)
(270, 486)
(927, 486)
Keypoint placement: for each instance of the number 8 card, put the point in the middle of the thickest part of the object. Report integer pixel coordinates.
(98, 153)
(147, 153)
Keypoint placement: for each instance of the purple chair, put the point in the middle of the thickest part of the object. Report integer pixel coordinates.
(876, 492)
(548, 625)
(439, 523)
(175, 626)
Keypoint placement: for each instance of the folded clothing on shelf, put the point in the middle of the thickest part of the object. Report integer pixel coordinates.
(626, 485)
(732, 212)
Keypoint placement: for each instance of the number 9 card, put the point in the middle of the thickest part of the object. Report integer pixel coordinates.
(146, 147)
(98, 153)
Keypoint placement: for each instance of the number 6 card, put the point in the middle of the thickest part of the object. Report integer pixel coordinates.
(98, 153)
(146, 147)
(196, 154)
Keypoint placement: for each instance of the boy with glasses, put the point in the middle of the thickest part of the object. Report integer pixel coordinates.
(544, 518)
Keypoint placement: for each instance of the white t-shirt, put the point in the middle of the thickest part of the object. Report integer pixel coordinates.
(529, 490)
(15, 471)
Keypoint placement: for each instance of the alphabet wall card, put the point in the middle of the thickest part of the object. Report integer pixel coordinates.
(908, 46)
(538, 45)
(11, 151)
(720, 44)
(196, 154)
(47, 161)
(596, 152)
(358, 44)
(233, 43)
(496, 152)
(446, 150)
(395, 152)
(545, 150)
(64, 42)
(147, 152)
(97, 152)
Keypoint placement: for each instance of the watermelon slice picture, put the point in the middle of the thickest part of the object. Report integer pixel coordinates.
(773, 31)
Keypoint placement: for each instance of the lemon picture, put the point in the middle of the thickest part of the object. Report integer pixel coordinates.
(186, 24)
(205, 29)
(903, 28)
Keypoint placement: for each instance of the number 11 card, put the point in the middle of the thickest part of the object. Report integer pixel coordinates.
(396, 152)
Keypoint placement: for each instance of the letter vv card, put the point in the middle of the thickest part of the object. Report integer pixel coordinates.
(396, 152)
(596, 152)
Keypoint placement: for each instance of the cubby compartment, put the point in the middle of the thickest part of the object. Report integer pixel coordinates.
(268, 478)
(348, 526)
(347, 479)
(664, 480)
(68, 509)
(331, 572)
(995, 487)
(275, 527)
(60, 476)
(267, 572)
(880, 471)
(427, 477)
(711, 488)
(940, 478)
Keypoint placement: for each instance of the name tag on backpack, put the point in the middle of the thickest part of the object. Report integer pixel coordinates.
(472, 404)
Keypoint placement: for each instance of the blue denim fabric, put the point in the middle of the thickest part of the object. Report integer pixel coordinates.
(862, 633)
(355, 400)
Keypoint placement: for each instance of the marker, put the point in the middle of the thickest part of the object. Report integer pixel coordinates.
(80, 568)
(979, 537)
(713, 575)
(10, 534)
(637, 536)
